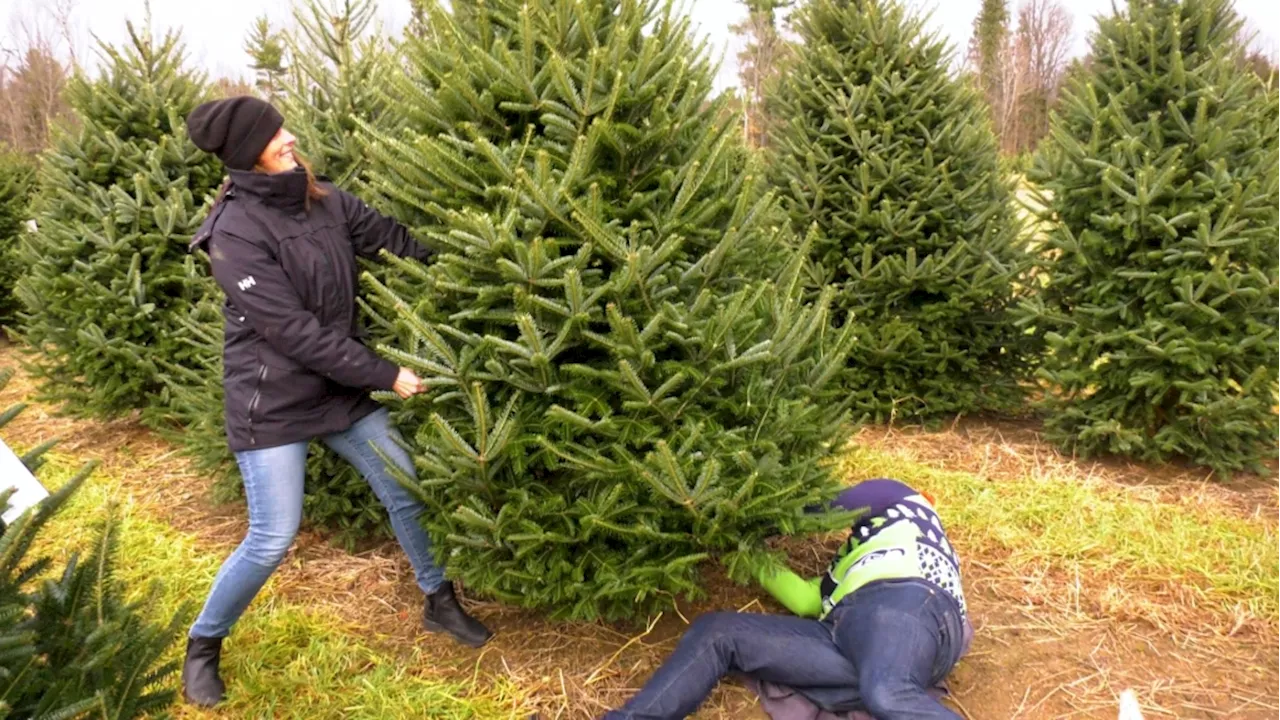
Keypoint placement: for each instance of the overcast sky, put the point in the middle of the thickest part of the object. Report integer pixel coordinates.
(215, 31)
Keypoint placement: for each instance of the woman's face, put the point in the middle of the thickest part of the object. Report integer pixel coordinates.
(278, 155)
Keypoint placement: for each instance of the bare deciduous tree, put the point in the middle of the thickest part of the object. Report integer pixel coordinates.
(758, 61)
(33, 77)
(1020, 75)
(1011, 79)
(1044, 26)
(1258, 52)
(63, 14)
(225, 87)
(1044, 40)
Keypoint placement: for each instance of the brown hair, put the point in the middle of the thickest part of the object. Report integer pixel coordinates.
(314, 191)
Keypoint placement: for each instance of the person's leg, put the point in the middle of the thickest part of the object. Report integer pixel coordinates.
(782, 649)
(364, 445)
(273, 481)
(360, 446)
(901, 644)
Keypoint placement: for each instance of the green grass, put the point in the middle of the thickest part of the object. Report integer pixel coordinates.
(1102, 532)
(306, 665)
(284, 660)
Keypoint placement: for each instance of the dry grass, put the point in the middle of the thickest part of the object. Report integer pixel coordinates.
(1057, 636)
(1012, 449)
(306, 661)
(1171, 548)
(1088, 578)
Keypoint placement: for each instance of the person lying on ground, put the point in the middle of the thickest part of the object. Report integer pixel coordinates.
(876, 634)
(283, 248)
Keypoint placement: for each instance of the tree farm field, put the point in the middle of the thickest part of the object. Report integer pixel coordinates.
(630, 314)
(1084, 579)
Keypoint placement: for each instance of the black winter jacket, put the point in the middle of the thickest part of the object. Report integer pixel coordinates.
(294, 367)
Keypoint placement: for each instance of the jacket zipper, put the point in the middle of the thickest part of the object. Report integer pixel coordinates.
(253, 402)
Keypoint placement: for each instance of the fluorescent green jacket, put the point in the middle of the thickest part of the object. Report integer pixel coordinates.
(898, 536)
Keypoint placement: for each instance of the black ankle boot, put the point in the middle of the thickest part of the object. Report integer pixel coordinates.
(443, 614)
(200, 682)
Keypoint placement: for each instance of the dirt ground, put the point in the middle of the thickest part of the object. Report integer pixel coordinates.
(1040, 650)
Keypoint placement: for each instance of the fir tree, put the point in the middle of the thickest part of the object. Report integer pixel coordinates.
(33, 458)
(70, 644)
(189, 411)
(335, 81)
(625, 378)
(16, 175)
(325, 74)
(1160, 261)
(116, 203)
(267, 50)
(987, 47)
(19, 651)
(895, 164)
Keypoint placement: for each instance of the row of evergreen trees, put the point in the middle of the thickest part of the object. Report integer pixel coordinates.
(642, 338)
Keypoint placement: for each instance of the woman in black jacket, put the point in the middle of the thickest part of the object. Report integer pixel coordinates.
(283, 247)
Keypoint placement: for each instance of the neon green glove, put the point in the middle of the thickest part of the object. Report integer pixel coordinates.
(800, 596)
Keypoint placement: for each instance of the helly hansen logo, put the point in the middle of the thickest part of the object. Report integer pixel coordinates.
(247, 283)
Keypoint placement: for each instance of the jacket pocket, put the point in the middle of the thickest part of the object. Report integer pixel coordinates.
(278, 361)
(254, 400)
(286, 390)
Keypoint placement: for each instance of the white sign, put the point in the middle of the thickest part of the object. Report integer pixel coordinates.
(13, 474)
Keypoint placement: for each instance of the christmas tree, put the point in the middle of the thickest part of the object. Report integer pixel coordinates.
(266, 49)
(189, 411)
(1159, 299)
(116, 203)
(34, 457)
(625, 378)
(894, 163)
(338, 66)
(16, 175)
(70, 644)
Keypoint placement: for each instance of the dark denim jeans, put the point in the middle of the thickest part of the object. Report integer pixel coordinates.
(879, 650)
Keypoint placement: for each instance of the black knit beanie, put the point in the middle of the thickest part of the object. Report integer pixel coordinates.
(236, 129)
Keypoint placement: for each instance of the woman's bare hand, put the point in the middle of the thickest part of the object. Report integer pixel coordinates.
(408, 384)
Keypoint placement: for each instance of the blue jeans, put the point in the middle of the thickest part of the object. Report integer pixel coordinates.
(273, 481)
(879, 650)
